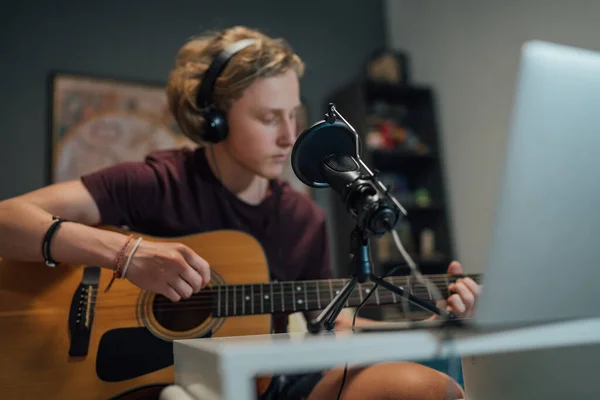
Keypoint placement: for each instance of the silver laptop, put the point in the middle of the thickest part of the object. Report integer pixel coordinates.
(544, 260)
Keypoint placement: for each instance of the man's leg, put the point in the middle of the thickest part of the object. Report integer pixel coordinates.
(388, 381)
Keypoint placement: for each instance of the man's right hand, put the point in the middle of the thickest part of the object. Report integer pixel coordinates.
(171, 269)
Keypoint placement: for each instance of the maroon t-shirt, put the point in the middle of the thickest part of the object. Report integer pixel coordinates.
(174, 193)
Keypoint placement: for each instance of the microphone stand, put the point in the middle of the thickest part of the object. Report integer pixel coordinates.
(363, 267)
(361, 261)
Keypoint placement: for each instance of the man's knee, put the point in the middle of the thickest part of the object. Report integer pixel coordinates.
(397, 381)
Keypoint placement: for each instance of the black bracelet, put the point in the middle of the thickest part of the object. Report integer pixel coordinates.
(48, 239)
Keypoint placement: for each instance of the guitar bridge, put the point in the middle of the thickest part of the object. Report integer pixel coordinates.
(81, 314)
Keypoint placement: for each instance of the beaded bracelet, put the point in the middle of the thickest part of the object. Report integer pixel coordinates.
(129, 257)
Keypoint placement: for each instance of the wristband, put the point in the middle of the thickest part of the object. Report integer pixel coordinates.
(48, 241)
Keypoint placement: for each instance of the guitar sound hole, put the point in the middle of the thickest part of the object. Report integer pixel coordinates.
(185, 314)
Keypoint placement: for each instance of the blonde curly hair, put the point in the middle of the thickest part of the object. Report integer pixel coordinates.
(267, 57)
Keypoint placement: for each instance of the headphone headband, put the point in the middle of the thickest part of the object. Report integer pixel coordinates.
(204, 97)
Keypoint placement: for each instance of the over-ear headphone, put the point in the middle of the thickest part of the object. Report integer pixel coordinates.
(215, 127)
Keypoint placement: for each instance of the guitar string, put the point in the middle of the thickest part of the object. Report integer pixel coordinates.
(323, 286)
(206, 300)
(440, 279)
(209, 296)
(312, 295)
(231, 310)
(322, 289)
(288, 306)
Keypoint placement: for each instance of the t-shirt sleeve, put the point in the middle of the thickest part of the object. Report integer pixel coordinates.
(126, 194)
(319, 264)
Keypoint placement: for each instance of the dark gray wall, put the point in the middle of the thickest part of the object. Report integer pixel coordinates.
(139, 39)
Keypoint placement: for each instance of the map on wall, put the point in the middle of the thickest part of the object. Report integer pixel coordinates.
(99, 122)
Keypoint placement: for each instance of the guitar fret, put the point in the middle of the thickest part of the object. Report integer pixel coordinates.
(243, 301)
(234, 303)
(262, 303)
(293, 296)
(272, 299)
(252, 297)
(282, 301)
(226, 302)
(289, 296)
(360, 294)
(219, 300)
(318, 286)
(447, 284)
(298, 300)
(330, 291)
(305, 297)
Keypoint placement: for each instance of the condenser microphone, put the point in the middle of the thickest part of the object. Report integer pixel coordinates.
(328, 155)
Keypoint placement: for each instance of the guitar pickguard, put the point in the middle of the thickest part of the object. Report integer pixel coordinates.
(132, 352)
(128, 353)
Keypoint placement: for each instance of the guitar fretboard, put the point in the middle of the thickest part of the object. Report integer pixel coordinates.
(289, 297)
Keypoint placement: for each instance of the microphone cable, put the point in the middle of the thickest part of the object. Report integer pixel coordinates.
(446, 334)
(415, 273)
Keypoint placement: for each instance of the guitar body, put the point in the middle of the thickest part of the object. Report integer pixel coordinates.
(62, 337)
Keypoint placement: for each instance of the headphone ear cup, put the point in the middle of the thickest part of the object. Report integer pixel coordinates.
(215, 128)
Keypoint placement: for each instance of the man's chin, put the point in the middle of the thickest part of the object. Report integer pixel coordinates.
(272, 173)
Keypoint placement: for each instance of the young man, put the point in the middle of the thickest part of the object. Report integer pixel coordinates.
(246, 121)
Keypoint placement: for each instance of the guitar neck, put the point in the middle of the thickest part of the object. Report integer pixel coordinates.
(289, 297)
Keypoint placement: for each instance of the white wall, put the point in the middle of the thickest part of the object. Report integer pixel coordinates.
(468, 50)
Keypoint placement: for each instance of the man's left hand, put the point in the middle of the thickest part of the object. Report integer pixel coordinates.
(464, 293)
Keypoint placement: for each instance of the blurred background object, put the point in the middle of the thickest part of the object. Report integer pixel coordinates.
(428, 84)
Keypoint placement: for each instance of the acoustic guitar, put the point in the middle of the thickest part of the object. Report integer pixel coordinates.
(63, 337)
